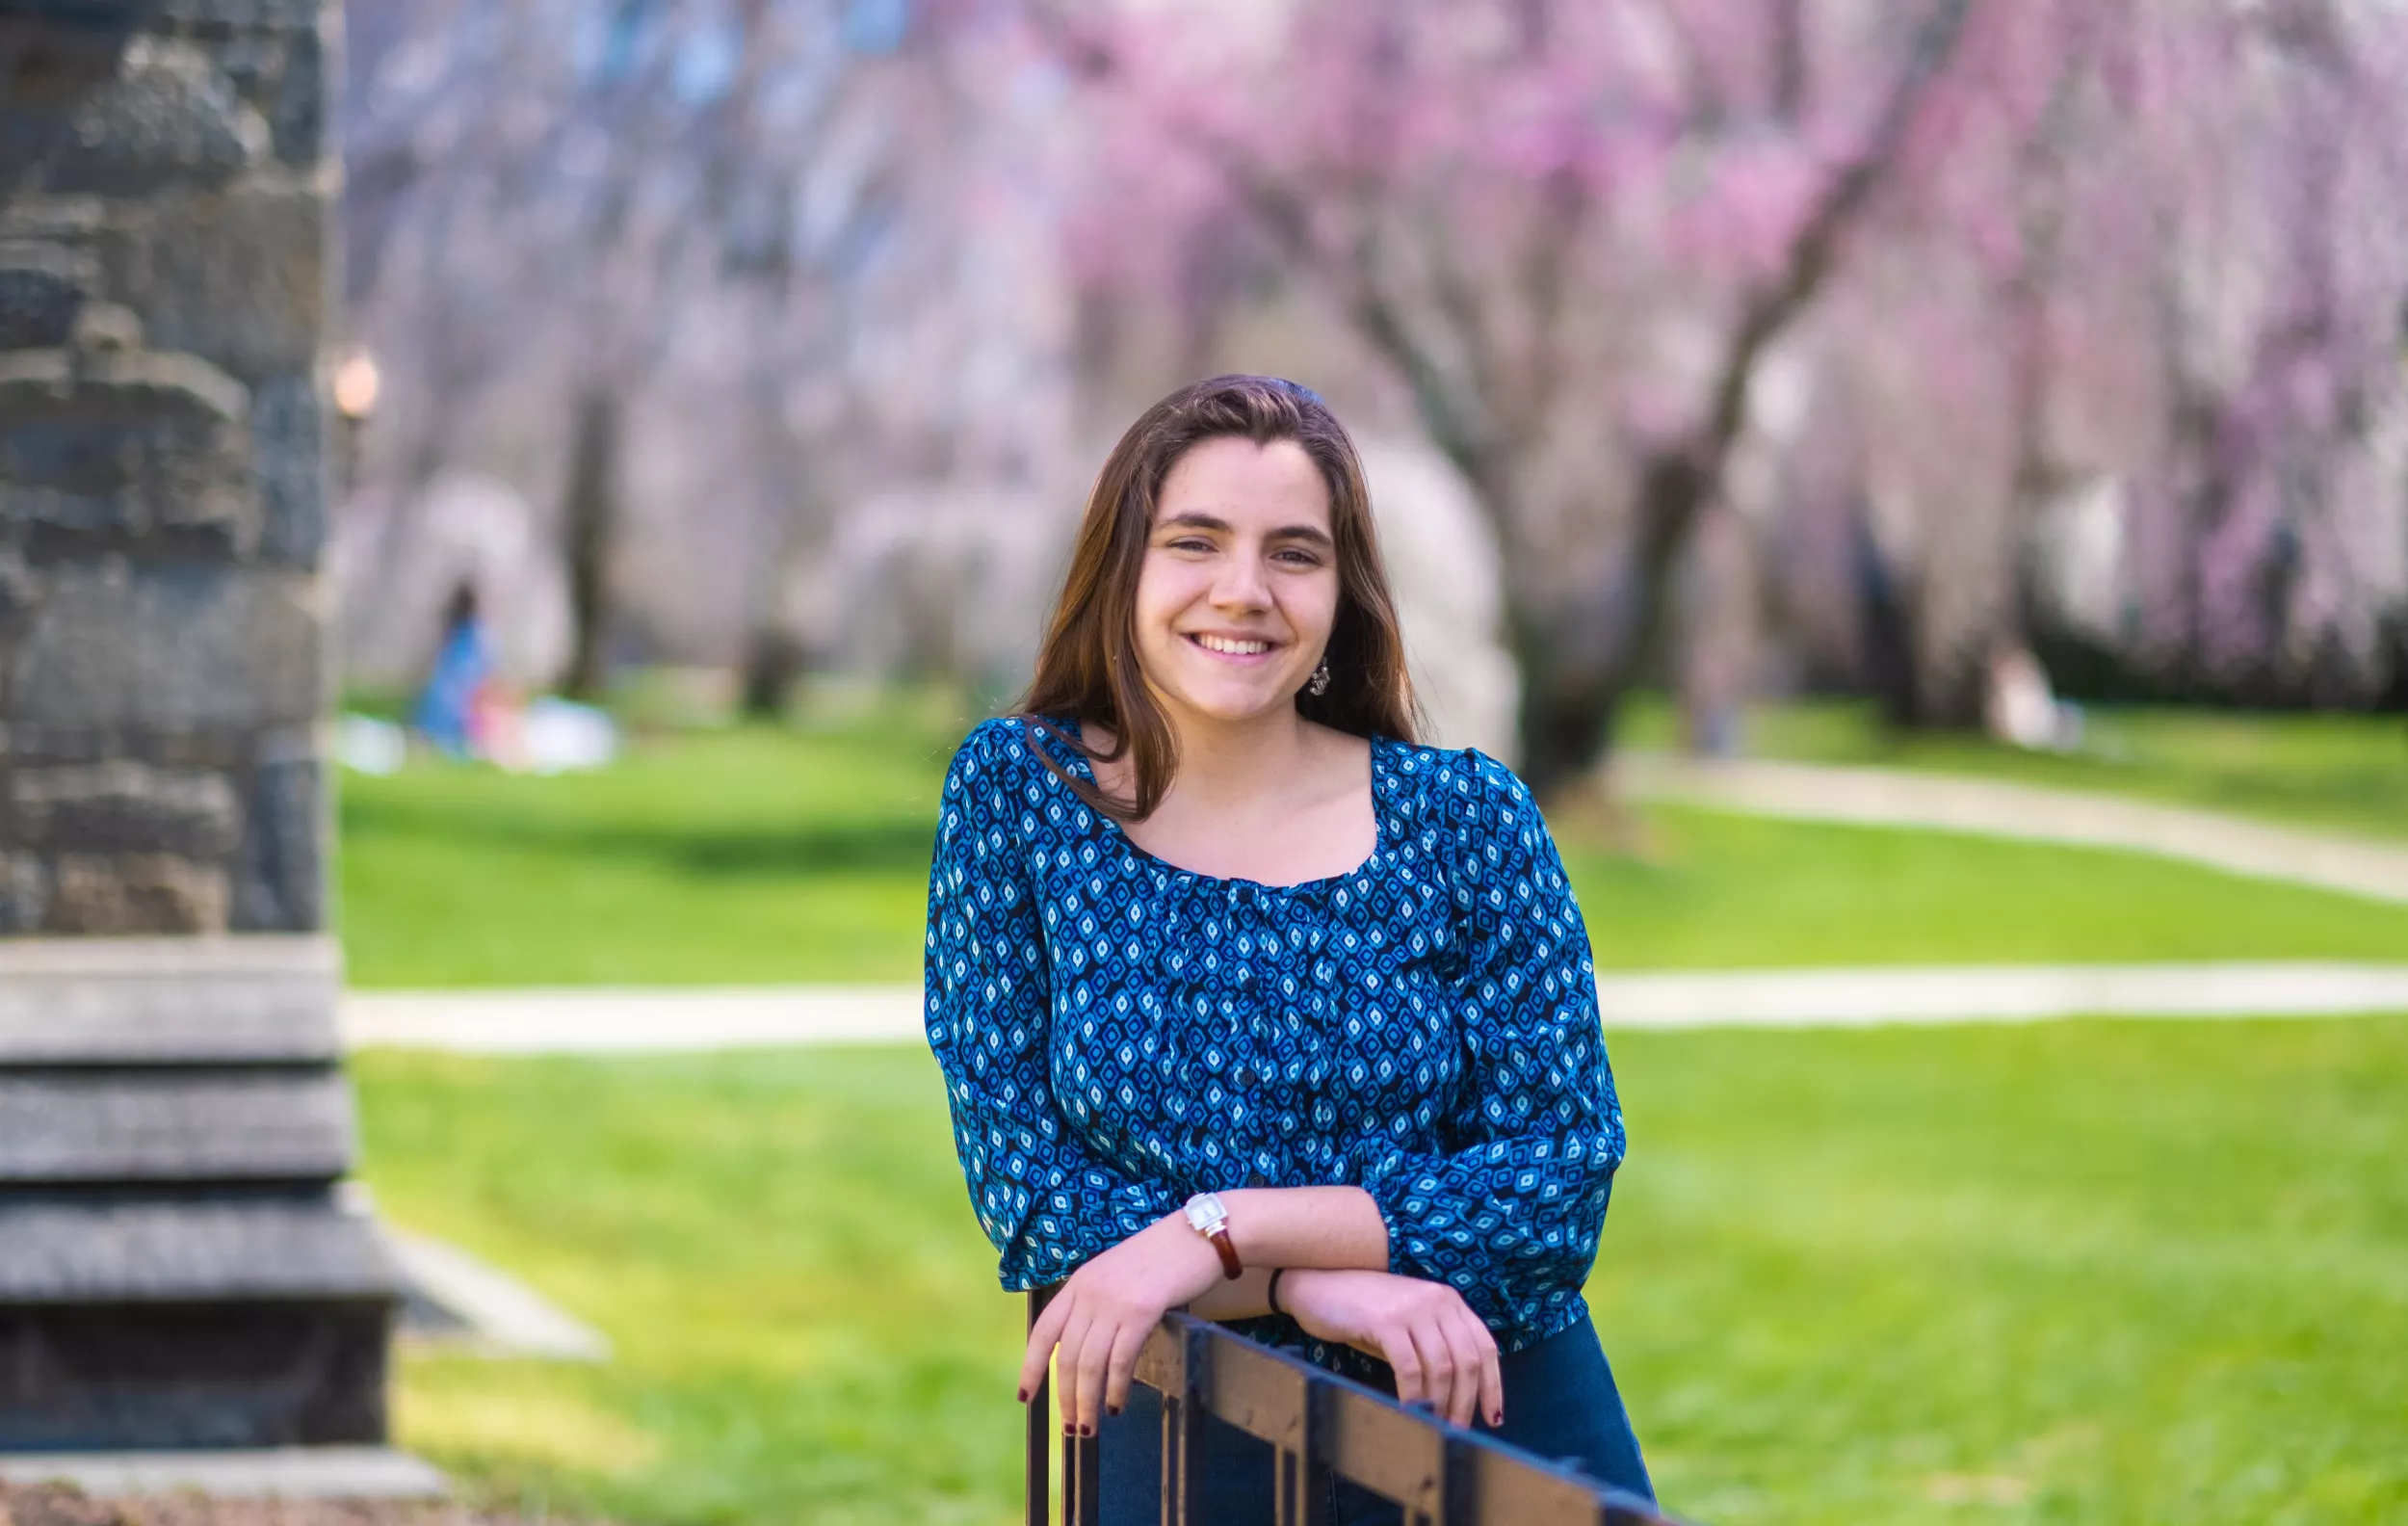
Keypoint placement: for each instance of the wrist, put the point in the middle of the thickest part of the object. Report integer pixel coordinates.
(1198, 1257)
(1208, 1216)
(1296, 1287)
(1303, 1292)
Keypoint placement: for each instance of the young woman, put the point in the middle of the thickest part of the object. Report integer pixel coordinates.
(1250, 1006)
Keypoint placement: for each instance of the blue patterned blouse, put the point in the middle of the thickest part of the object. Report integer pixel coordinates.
(1118, 1032)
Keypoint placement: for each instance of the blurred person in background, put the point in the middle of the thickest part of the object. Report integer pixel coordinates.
(1250, 1006)
(449, 707)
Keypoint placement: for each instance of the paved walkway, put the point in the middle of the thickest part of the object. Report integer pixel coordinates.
(637, 1021)
(1898, 798)
(300, 1472)
(457, 1301)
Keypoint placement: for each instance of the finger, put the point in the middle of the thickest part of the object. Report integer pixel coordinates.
(1437, 1358)
(1122, 1363)
(1470, 1370)
(1463, 1363)
(1491, 1373)
(1041, 1339)
(1095, 1349)
(1396, 1343)
(1066, 1368)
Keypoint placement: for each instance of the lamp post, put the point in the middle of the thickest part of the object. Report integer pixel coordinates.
(358, 386)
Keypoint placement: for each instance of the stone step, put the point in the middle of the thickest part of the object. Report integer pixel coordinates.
(233, 1374)
(210, 1320)
(262, 999)
(59, 1249)
(184, 1124)
(283, 1473)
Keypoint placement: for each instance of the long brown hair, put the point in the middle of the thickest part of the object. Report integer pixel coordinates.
(1088, 668)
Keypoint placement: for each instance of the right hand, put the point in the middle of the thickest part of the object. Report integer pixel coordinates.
(1105, 1311)
(1441, 1353)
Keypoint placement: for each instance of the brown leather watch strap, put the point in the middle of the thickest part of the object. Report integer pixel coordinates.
(1230, 1265)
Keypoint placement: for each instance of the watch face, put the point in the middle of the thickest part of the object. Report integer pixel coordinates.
(1204, 1210)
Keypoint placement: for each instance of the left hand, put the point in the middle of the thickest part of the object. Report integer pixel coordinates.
(1441, 1353)
(1103, 1314)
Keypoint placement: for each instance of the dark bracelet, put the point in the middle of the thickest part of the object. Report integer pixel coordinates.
(1271, 1292)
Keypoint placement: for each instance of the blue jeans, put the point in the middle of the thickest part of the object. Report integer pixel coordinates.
(1560, 1401)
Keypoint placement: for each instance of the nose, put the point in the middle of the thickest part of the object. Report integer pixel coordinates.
(1242, 585)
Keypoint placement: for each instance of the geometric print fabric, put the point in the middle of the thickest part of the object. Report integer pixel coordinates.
(1118, 1032)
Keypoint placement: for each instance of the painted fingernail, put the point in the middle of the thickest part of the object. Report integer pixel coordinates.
(1114, 1411)
(1024, 1396)
(1088, 1431)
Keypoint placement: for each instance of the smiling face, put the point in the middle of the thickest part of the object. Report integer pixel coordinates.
(1239, 588)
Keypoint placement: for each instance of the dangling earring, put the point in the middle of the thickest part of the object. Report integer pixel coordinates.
(1320, 679)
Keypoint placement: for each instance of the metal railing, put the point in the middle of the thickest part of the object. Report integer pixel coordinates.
(1321, 1425)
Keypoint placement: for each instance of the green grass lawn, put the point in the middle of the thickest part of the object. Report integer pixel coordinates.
(1726, 891)
(2338, 773)
(728, 858)
(2068, 1273)
(754, 855)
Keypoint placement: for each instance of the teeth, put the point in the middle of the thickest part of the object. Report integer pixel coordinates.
(1236, 648)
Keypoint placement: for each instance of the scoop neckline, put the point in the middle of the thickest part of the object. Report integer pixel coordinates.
(1120, 835)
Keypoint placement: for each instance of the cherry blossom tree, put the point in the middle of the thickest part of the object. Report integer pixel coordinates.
(2281, 290)
(764, 202)
(1573, 232)
(1996, 249)
(2188, 337)
(1898, 301)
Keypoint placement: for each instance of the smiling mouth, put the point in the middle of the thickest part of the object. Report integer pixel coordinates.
(1225, 647)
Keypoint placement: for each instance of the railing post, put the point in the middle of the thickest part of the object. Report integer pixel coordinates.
(1082, 1480)
(1457, 1487)
(1321, 1427)
(1082, 1502)
(1039, 1508)
(1311, 1468)
(1175, 1443)
(1183, 1434)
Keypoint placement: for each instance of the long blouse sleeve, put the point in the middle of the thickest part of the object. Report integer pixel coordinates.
(1510, 1211)
(1043, 1198)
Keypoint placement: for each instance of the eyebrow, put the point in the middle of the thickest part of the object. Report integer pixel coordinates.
(1193, 521)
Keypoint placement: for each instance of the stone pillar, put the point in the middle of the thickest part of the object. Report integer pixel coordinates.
(176, 1265)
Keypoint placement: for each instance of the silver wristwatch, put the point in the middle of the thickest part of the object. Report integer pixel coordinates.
(1208, 1218)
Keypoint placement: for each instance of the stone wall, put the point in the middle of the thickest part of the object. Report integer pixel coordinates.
(179, 1265)
(164, 190)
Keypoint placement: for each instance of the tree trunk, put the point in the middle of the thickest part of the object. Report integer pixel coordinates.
(591, 517)
(794, 528)
(773, 663)
(1567, 712)
(1884, 625)
(1566, 735)
(1715, 640)
(2395, 695)
(1581, 660)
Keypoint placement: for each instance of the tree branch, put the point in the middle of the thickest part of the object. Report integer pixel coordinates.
(1456, 421)
(1818, 242)
(1676, 486)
